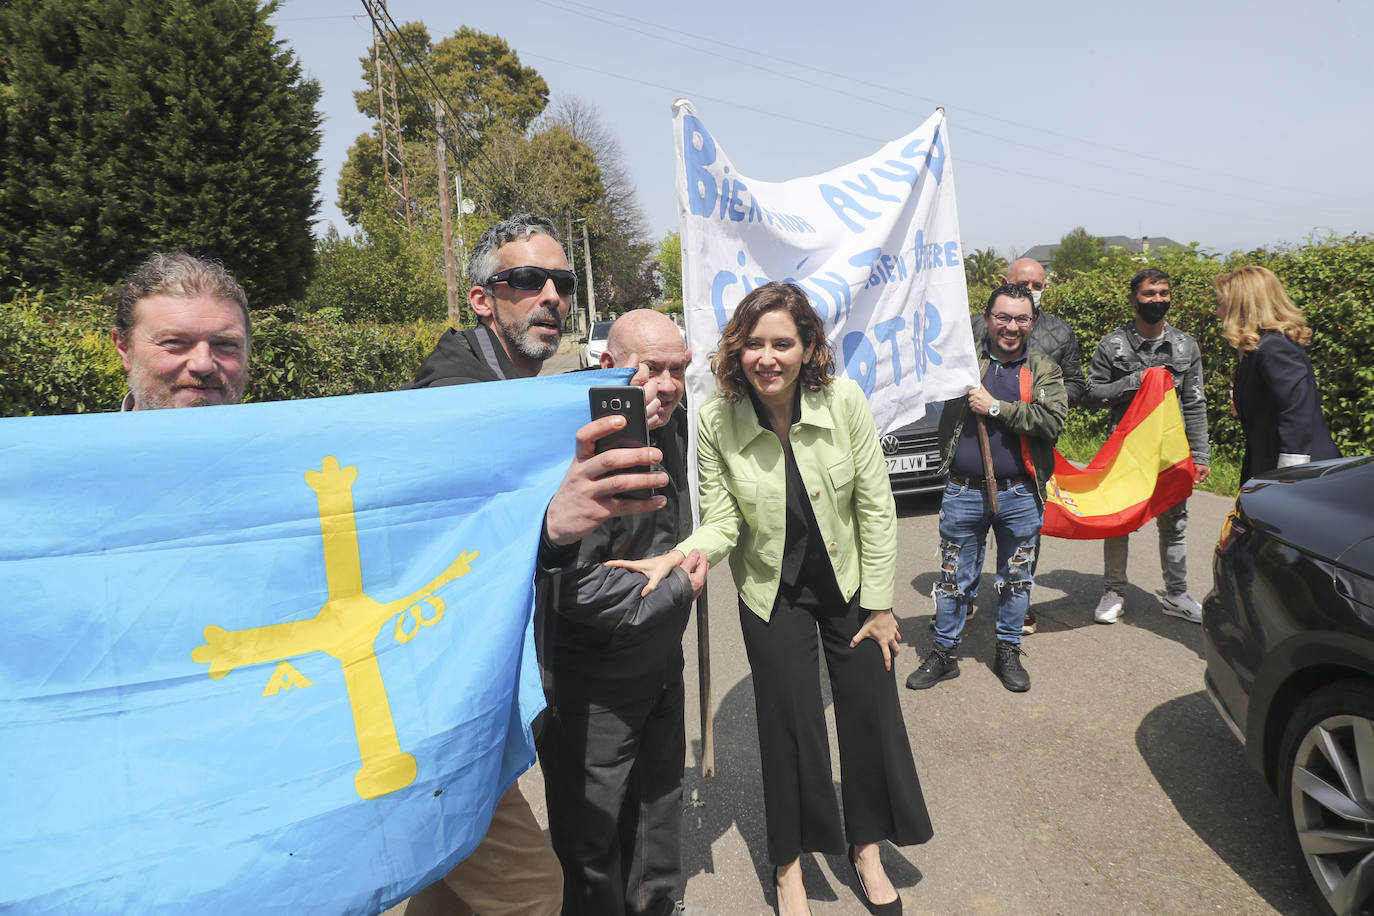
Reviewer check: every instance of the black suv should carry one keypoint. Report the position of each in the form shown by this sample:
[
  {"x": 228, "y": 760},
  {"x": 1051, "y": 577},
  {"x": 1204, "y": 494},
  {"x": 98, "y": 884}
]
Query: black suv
[{"x": 1289, "y": 631}]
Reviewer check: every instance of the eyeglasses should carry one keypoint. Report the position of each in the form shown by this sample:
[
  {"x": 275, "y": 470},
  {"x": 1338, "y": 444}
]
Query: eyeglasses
[
  {"x": 1021, "y": 321},
  {"x": 531, "y": 278}
]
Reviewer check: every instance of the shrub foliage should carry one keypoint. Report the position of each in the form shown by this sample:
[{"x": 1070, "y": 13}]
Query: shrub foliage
[
  {"x": 56, "y": 356},
  {"x": 1331, "y": 280}
]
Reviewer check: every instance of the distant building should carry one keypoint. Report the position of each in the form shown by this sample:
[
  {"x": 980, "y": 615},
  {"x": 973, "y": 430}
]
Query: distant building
[{"x": 1135, "y": 245}]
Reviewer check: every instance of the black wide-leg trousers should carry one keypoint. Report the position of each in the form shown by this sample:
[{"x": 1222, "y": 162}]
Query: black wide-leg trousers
[{"x": 881, "y": 792}]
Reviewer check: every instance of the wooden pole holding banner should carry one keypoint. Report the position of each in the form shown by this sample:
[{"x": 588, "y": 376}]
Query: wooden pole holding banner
[
  {"x": 989, "y": 480},
  {"x": 708, "y": 738}
]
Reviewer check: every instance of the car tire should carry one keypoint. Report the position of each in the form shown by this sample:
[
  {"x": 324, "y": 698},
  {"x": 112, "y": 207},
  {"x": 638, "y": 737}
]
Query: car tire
[{"x": 1327, "y": 792}]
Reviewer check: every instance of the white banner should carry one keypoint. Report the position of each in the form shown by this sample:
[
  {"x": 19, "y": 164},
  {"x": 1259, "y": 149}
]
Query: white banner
[{"x": 875, "y": 244}]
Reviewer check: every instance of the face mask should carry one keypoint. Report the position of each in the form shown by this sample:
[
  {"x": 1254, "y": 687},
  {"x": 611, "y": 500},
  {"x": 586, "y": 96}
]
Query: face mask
[
  {"x": 1035, "y": 297},
  {"x": 1152, "y": 312}
]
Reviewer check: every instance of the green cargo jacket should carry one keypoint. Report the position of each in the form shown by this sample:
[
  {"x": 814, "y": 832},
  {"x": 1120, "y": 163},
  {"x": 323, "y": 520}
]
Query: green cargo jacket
[{"x": 1038, "y": 420}]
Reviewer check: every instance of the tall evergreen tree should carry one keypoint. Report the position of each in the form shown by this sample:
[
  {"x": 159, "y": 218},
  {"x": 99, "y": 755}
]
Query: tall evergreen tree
[{"x": 135, "y": 125}]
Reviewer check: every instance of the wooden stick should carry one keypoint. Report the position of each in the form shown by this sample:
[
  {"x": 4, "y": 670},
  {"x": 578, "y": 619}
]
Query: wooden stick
[
  {"x": 708, "y": 739},
  {"x": 989, "y": 480}
]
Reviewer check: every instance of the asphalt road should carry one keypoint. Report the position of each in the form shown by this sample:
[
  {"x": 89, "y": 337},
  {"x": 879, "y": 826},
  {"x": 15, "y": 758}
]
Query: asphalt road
[{"x": 1111, "y": 787}]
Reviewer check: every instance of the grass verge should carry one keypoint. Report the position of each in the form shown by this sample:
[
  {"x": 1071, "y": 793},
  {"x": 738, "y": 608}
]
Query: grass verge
[{"x": 1083, "y": 436}]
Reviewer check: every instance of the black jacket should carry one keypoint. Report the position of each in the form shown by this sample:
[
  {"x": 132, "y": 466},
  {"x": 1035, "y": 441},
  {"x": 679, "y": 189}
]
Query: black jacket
[
  {"x": 1053, "y": 337},
  {"x": 463, "y": 357},
  {"x": 609, "y": 643},
  {"x": 1276, "y": 400},
  {"x": 596, "y": 636}
]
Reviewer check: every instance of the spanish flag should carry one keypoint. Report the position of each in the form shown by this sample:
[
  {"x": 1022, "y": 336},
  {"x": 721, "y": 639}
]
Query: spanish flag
[{"x": 1144, "y": 468}]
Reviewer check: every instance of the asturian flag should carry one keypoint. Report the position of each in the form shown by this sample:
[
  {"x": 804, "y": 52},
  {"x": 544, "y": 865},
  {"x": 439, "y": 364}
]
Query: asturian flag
[
  {"x": 1144, "y": 468},
  {"x": 269, "y": 658},
  {"x": 875, "y": 245}
]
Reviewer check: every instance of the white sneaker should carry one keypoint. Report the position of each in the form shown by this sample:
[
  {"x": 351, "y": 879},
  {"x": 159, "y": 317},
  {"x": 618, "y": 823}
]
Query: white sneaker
[
  {"x": 1110, "y": 608},
  {"x": 1184, "y": 605}
]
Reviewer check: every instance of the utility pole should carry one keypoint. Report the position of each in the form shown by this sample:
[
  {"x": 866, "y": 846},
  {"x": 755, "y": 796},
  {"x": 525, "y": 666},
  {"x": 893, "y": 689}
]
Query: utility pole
[
  {"x": 591, "y": 290},
  {"x": 450, "y": 271},
  {"x": 389, "y": 116},
  {"x": 572, "y": 262}
]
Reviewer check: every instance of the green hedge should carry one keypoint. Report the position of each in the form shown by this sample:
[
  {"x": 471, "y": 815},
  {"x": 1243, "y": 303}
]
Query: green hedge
[{"x": 57, "y": 357}]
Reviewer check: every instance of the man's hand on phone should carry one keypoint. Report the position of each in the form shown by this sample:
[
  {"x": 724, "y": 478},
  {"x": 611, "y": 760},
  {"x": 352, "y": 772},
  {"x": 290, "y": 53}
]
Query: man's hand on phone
[
  {"x": 590, "y": 491},
  {"x": 651, "y": 403}
]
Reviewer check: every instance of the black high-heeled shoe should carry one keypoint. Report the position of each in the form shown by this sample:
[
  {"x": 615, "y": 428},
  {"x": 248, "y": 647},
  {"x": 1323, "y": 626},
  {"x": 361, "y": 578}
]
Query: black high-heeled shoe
[{"x": 892, "y": 908}]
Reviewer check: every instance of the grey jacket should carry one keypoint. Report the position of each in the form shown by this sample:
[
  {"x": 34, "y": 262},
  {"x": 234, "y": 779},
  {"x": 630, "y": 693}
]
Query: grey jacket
[{"x": 1121, "y": 357}]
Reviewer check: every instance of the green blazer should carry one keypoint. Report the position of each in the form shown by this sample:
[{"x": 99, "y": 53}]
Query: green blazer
[{"x": 743, "y": 481}]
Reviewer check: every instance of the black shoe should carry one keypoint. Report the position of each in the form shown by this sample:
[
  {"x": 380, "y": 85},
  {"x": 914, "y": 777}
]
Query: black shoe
[
  {"x": 1008, "y": 667},
  {"x": 939, "y": 665},
  {"x": 1029, "y": 624},
  {"x": 892, "y": 908}
]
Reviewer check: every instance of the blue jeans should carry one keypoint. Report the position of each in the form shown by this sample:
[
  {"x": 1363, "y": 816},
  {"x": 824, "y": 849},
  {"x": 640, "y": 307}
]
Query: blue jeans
[
  {"x": 965, "y": 518},
  {"x": 1173, "y": 553}
]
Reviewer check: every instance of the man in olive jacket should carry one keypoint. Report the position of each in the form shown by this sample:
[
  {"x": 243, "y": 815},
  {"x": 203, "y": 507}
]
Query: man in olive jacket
[{"x": 1022, "y": 403}]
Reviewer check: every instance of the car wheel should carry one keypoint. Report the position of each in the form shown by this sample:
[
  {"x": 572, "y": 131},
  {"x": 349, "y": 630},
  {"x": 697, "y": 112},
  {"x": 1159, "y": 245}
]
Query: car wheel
[{"x": 1328, "y": 775}]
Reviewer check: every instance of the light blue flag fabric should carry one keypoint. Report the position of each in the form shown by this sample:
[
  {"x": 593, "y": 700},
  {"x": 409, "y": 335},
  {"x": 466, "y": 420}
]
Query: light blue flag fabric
[{"x": 269, "y": 658}]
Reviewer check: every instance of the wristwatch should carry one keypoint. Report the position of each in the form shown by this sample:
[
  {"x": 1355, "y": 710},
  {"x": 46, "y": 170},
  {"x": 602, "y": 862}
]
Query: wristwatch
[{"x": 995, "y": 409}]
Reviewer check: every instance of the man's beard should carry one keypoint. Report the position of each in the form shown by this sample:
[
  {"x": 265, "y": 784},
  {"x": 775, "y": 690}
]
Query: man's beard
[
  {"x": 152, "y": 394},
  {"x": 517, "y": 334}
]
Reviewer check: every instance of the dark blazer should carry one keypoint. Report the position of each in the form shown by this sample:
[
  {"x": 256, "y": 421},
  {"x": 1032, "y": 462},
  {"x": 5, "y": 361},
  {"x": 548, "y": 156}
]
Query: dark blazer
[{"x": 1276, "y": 400}]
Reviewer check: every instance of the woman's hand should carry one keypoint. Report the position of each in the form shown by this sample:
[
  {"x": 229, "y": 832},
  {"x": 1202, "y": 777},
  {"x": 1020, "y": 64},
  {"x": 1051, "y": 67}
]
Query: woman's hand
[
  {"x": 881, "y": 627},
  {"x": 655, "y": 568}
]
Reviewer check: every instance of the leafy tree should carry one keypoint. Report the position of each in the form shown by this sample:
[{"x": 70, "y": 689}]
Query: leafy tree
[
  {"x": 134, "y": 125},
  {"x": 984, "y": 267},
  {"x": 549, "y": 173},
  {"x": 492, "y": 96},
  {"x": 622, "y": 254},
  {"x": 513, "y": 154},
  {"x": 382, "y": 273},
  {"x": 1076, "y": 252},
  {"x": 669, "y": 261}
]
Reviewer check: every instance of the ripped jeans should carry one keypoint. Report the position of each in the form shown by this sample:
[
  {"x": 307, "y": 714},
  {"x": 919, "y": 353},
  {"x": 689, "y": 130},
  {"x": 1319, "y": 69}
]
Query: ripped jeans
[{"x": 964, "y": 521}]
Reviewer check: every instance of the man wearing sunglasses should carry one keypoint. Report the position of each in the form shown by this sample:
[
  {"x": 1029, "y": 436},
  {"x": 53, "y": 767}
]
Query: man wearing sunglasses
[{"x": 520, "y": 293}]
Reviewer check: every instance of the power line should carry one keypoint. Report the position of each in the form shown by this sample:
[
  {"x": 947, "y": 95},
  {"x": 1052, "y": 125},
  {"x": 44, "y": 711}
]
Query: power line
[
  {"x": 488, "y": 181},
  {"x": 583, "y": 9},
  {"x": 962, "y": 160}
]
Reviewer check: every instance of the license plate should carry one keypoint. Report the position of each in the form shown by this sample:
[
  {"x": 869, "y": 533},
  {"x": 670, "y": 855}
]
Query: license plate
[{"x": 904, "y": 464}]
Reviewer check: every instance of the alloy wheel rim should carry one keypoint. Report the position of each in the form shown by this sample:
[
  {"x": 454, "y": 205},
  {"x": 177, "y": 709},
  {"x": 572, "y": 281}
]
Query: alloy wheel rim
[{"x": 1332, "y": 794}]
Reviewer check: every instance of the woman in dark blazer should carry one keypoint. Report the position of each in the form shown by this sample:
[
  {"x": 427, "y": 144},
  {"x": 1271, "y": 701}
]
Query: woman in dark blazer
[{"x": 1275, "y": 391}]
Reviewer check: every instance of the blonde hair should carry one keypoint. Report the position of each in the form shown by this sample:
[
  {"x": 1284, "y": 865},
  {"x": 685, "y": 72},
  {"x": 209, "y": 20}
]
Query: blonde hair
[{"x": 1254, "y": 302}]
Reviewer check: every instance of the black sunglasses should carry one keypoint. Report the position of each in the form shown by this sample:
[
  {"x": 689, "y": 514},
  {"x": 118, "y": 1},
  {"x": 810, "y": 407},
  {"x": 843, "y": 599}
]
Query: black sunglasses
[{"x": 533, "y": 278}]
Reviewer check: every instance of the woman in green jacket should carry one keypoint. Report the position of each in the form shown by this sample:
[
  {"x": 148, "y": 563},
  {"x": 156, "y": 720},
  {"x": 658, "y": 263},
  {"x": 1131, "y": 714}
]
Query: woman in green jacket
[{"x": 794, "y": 488}]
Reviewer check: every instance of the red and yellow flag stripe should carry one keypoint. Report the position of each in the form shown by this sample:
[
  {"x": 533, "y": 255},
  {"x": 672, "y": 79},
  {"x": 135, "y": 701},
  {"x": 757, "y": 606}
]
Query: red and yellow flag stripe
[{"x": 1144, "y": 467}]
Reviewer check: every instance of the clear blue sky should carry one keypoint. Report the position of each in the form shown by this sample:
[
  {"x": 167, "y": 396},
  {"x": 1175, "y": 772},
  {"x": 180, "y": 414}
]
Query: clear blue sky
[{"x": 1232, "y": 124}]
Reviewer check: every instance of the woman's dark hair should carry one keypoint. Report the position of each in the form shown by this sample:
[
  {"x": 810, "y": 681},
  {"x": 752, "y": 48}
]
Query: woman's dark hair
[{"x": 816, "y": 372}]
